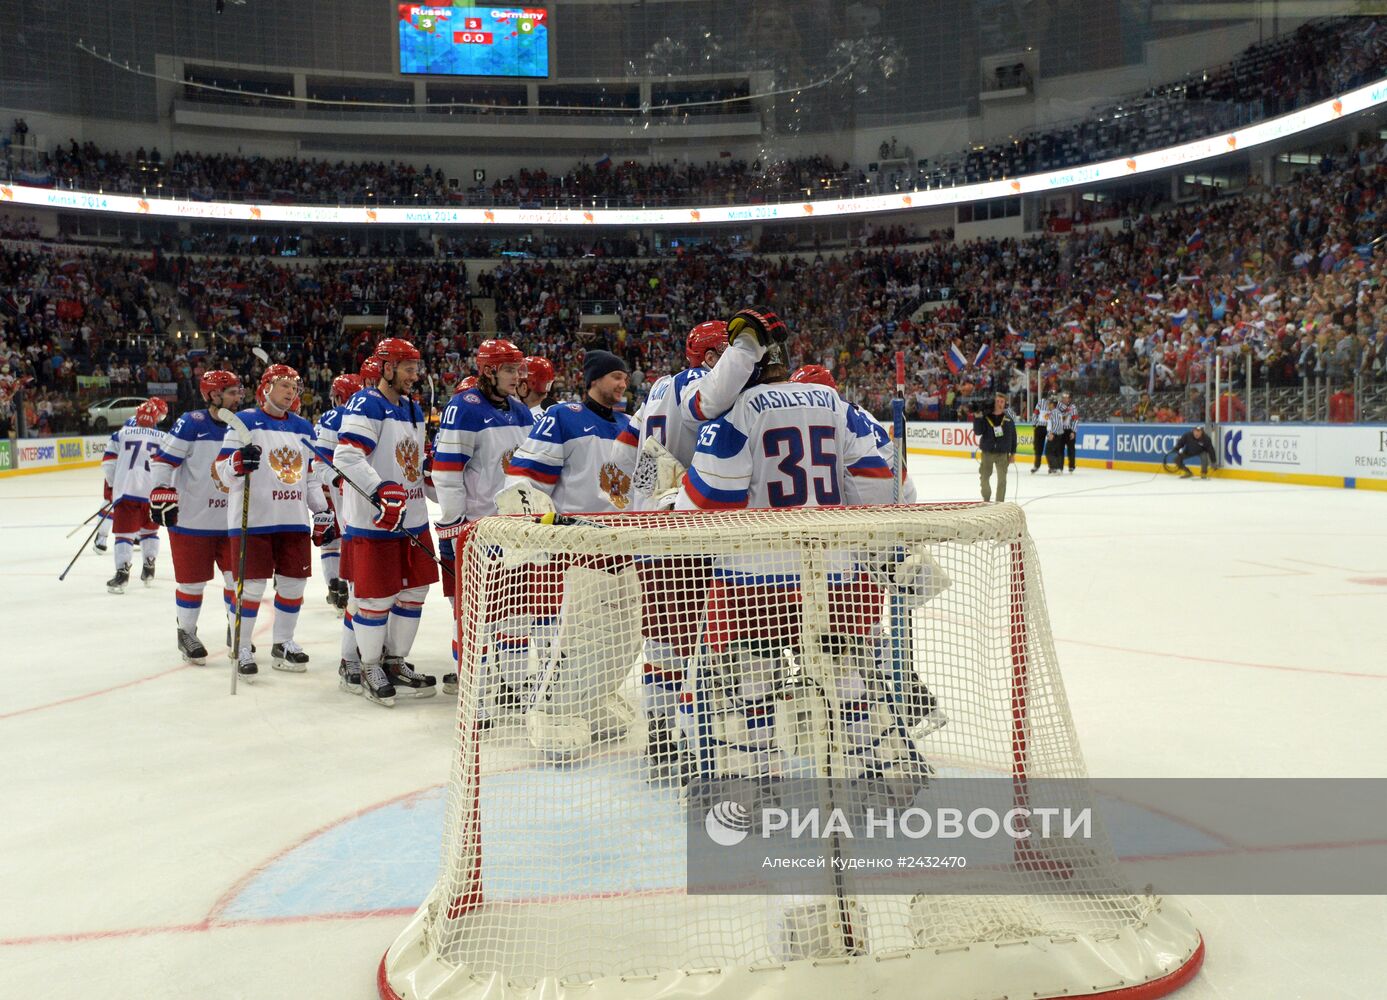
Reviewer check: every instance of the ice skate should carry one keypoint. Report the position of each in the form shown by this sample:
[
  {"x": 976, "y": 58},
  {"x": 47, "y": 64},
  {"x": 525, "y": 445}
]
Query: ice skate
[
  {"x": 99, "y": 544},
  {"x": 116, "y": 584},
  {"x": 147, "y": 572},
  {"x": 1186, "y": 474},
  {"x": 289, "y": 657},
  {"x": 450, "y": 683},
  {"x": 246, "y": 668},
  {"x": 663, "y": 756},
  {"x": 407, "y": 680},
  {"x": 192, "y": 648},
  {"x": 337, "y": 594},
  {"x": 376, "y": 686},
  {"x": 349, "y": 677}
]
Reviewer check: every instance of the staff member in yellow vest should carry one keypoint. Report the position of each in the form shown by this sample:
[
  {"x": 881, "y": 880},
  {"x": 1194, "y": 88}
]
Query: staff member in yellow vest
[{"x": 996, "y": 433}]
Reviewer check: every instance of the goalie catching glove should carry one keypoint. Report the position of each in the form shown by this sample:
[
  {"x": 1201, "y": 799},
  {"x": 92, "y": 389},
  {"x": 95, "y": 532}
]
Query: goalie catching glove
[
  {"x": 391, "y": 499},
  {"x": 657, "y": 475},
  {"x": 163, "y": 506},
  {"x": 760, "y": 324}
]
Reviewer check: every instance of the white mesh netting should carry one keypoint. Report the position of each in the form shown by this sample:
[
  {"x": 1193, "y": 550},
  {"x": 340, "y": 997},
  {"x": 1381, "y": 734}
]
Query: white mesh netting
[{"x": 606, "y": 665}]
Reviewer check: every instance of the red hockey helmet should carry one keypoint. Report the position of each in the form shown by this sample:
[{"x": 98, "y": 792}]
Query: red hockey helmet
[
  {"x": 276, "y": 372},
  {"x": 159, "y": 405},
  {"x": 705, "y": 337},
  {"x": 147, "y": 414},
  {"x": 217, "y": 381},
  {"x": 492, "y": 354},
  {"x": 370, "y": 371},
  {"x": 817, "y": 374},
  {"x": 539, "y": 374},
  {"x": 393, "y": 350},
  {"x": 470, "y": 382},
  {"x": 344, "y": 387}
]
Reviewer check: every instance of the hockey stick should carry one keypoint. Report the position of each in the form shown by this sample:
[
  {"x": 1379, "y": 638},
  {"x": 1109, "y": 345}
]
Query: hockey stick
[
  {"x": 902, "y": 630},
  {"x": 413, "y": 539},
  {"x": 87, "y": 541},
  {"x": 242, "y": 435},
  {"x": 104, "y": 508}
]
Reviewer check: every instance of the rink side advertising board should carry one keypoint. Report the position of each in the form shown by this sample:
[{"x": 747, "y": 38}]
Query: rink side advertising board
[
  {"x": 1350, "y": 457},
  {"x": 47, "y": 454}
]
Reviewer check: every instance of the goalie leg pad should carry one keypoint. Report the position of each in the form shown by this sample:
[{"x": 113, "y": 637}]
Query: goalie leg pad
[{"x": 597, "y": 644}]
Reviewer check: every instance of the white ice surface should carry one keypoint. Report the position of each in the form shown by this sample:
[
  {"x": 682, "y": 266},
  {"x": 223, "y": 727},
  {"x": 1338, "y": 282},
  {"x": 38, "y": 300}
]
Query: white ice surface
[{"x": 1204, "y": 629}]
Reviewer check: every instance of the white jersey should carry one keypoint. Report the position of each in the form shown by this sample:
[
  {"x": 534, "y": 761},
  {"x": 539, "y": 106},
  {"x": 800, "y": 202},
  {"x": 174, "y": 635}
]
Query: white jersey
[
  {"x": 712, "y": 396},
  {"x": 662, "y": 418},
  {"x": 475, "y": 442},
  {"x": 884, "y": 447},
  {"x": 380, "y": 441},
  {"x": 187, "y": 462},
  {"x": 572, "y": 454},
  {"x": 324, "y": 446},
  {"x": 282, "y": 495},
  {"x": 786, "y": 445},
  {"x": 126, "y": 461},
  {"x": 537, "y": 411}
]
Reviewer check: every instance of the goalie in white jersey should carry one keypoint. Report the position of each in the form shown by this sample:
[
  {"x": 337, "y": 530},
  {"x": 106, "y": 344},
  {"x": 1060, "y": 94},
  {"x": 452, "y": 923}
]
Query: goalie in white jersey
[
  {"x": 381, "y": 449},
  {"x": 129, "y": 480},
  {"x": 284, "y": 496},
  {"x": 786, "y": 445},
  {"x": 189, "y": 499},
  {"x": 480, "y": 431}
]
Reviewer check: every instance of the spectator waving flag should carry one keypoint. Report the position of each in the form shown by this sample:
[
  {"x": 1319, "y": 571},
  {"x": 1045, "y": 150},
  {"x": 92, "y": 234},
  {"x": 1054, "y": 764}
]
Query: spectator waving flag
[
  {"x": 1178, "y": 318},
  {"x": 1195, "y": 240},
  {"x": 983, "y": 353},
  {"x": 954, "y": 358}
]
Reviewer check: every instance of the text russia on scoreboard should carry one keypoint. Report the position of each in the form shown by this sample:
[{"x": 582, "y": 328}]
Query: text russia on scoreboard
[{"x": 474, "y": 41}]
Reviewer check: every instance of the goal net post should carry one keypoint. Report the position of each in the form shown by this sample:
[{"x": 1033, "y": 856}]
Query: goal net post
[{"x": 613, "y": 670}]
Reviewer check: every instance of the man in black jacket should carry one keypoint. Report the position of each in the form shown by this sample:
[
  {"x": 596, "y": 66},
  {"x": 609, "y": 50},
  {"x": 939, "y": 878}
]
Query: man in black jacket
[
  {"x": 996, "y": 433},
  {"x": 1191, "y": 443}
]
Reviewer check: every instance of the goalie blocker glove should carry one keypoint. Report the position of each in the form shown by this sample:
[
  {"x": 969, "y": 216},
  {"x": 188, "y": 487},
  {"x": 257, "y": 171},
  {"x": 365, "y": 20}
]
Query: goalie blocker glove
[
  {"x": 163, "y": 506},
  {"x": 391, "y": 498},
  {"x": 245, "y": 460},
  {"x": 760, "y": 324}
]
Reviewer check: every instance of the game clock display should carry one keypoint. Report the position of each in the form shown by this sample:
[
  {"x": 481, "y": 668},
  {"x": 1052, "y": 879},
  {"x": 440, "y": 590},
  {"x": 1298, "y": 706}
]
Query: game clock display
[{"x": 474, "y": 41}]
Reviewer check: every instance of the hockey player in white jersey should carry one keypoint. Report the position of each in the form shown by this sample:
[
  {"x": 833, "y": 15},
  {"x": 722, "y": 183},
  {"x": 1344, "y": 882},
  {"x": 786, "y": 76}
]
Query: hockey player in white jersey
[
  {"x": 129, "y": 478},
  {"x": 189, "y": 500},
  {"x": 783, "y": 445},
  {"x": 571, "y": 462},
  {"x": 283, "y": 500},
  {"x": 819, "y": 375},
  {"x": 480, "y": 431},
  {"x": 381, "y": 449},
  {"x": 534, "y": 387}
]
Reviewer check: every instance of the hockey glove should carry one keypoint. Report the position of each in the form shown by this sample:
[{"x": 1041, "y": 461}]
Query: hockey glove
[
  {"x": 758, "y": 323},
  {"x": 428, "y": 462},
  {"x": 324, "y": 527},
  {"x": 391, "y": 499},
  {"x": 106, "y": 493},
  {"x": 163, "y": 506},
  {"x": 446, "y": 534},
  {"x": 246, "y": 460}
]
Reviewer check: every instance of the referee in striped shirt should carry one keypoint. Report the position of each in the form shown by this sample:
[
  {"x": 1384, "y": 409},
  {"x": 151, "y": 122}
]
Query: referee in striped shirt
[{"x": 1063, "y": 432}]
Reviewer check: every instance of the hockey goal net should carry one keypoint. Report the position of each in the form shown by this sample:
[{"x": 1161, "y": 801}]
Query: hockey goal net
[{"x": 609, "y": 668}]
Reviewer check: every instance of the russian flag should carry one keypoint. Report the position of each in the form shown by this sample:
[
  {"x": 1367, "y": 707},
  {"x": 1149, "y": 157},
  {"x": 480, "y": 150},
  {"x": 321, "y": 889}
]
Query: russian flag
[
  {"x": 1178, "y": 319},
  {"x": 604, "y": 162},
  {"x": 954, "y": 358},
  {"x": 1195, "y": 240},
  {"x": 983, "y": 352}
]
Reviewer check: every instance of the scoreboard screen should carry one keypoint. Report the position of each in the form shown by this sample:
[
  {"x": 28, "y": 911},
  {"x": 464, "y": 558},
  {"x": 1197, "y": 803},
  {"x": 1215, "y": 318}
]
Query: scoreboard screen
[{"x": 474, "y": 41}]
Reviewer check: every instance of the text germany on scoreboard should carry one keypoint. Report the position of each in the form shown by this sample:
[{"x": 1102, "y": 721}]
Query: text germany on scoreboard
[{"x": 474, "y": 41}]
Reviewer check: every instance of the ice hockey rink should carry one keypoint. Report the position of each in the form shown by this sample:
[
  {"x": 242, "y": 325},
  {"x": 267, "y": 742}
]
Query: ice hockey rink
[{"x": 161, "y": 838}]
